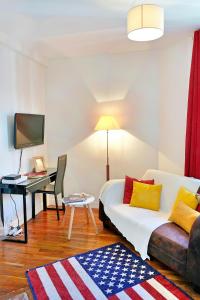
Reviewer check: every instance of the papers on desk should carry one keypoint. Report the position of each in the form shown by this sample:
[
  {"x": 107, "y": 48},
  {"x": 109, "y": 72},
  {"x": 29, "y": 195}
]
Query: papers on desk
[
  {"x": 16, "y": 181},
  {"x": 75, "y": 198}
]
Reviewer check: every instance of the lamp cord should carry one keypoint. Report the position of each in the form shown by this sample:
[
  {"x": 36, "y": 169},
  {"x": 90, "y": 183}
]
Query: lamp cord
[{"x": 15, "y": 209}]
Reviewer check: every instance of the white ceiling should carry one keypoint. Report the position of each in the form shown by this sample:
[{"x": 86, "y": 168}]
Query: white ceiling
[{"x": 84, "y": 27}]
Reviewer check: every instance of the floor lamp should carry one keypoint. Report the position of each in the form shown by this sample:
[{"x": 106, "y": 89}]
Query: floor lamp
[{"x": 107, "y": 123}]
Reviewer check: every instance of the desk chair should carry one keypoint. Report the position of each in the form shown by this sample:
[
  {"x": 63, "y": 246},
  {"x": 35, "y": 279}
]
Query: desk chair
[{"x": 55, "y": 189}]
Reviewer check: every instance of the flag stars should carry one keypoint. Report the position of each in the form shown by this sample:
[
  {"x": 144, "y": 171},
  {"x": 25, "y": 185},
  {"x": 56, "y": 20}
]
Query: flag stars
[
  {"x": 113, "y": 278},
  {"x": 150, "y": 273},
  {"x": 108, "y": 291},
  {"x": 130, "y": 281},
  {"x": 143, "y": 267},
  {"x": 114, "y": 268},
  {"x": 114, "y": 273},
  {"x": 125, "y": 269},
  {"x": 110, "y": 284},
  {"x": 126, "y": 264}
]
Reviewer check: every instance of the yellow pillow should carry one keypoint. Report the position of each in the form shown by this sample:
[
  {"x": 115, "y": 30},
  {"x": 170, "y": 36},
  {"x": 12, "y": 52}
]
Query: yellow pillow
[
  {"x": 146, "y": 195},
  {"x": 184, "y": 216},
  {"x": 187, "y": 197}
]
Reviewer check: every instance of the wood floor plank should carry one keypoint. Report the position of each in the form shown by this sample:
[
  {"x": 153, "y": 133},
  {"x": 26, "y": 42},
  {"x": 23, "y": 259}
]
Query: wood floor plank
[{"x": 48, "y": 242}]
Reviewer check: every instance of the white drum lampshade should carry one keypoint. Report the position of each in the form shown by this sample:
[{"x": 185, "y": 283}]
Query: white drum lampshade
[{"x": 145, "y": 22}]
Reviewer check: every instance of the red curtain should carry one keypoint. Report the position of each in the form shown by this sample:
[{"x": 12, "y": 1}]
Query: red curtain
[{"x": 192, "y": 148}]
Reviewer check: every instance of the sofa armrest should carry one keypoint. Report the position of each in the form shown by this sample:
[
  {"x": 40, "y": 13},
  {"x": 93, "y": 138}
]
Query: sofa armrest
[
  {"x": 193, "y": 257},
  {"x": 112, "y": 192}
]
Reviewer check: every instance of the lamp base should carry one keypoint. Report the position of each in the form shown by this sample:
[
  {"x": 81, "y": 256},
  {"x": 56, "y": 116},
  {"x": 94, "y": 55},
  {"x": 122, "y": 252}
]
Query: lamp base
[{"x": 107, "y": 172}]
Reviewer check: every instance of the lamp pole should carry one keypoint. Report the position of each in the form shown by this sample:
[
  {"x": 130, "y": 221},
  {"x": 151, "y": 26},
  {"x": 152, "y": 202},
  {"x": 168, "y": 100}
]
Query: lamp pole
[{"x": 107, "y": 165}]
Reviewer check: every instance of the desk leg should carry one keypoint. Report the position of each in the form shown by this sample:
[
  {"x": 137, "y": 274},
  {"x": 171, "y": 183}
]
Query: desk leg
[
  {"x": 44, "y": 201},
  {"x": 25, "y": 219},
  {"x": 1, "y": 207},
  {"x": 33, "y": 205}
]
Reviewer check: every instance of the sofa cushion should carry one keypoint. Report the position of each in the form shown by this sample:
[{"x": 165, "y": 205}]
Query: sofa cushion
[
  {"x": 128, "y": 187},
  {"x": 184, "y": 216},
  {"x": 187, "y": 197},
  {"x": 146, "y": 196},
  {"x": 169, "y": 243}
]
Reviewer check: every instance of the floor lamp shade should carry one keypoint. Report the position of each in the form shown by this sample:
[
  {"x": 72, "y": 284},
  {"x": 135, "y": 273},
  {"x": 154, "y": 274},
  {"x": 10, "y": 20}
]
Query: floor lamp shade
[
  {"x": 145, "y": 22},
  {"x": 107, "y": 123}
]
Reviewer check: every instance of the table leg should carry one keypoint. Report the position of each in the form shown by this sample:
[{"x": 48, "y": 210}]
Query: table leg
[
  {"x": 71, "y": 222},
  {"x": 92, "y": 217},
  {"x": 86, "y": 213},
  {"x": 65, "y": 217},
  {"x": 25, "y": 219}
]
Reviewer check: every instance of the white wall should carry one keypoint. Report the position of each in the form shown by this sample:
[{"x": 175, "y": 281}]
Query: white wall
[
  {"x": 175, "y": 64},
  {"x": 146, "y": 91},
  {"x": 79, "y": 90},
  {"x": 22, "y": 90}
]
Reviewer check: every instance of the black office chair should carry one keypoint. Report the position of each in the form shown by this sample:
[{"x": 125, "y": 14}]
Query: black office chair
[{"x": 55, "y": 189}]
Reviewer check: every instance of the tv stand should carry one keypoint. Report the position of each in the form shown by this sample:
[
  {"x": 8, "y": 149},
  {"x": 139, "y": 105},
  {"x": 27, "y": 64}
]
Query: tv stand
[{"x": 28, "y": 186}]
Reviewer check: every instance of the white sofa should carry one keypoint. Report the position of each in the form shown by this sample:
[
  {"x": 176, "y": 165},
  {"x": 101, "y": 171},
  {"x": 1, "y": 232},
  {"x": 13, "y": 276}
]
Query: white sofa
[{"x": 137, "y": 224}]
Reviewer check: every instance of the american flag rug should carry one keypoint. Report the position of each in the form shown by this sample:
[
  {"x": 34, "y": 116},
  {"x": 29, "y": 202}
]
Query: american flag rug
[{"x": 112, "y": 272}]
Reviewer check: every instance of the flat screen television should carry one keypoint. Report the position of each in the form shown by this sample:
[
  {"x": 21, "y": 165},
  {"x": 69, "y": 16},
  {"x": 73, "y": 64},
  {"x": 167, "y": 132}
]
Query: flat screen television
[{"x": 28, "y": 130}]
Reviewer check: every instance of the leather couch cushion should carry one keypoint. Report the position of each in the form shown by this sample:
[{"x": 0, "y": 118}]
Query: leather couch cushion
[{"x": 169, "y": 243}]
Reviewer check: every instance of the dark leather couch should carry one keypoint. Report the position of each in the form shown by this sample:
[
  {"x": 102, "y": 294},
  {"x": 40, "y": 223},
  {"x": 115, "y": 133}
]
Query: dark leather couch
[{"x": 172, "y": 246}]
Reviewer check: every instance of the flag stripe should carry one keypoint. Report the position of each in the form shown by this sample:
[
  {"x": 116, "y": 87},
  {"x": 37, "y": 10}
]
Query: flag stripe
[
  {"x": 69, "y": 284},
  {"x": 48, "y": 284},
  {"x": 87, "y": 279},
  {"x": 153, "y": 292},
  {"x": 37, "y": 285},
  {"x": 142, "y": 292},
  {"x": 132, "y": 294},
  {"x": 61, "y": 289},
  {"x": 161, "y": 289},
  {"x": 123, "y": 296},
  {"x": 172, "y": 288},
  {"x": 78, "y": 281}
]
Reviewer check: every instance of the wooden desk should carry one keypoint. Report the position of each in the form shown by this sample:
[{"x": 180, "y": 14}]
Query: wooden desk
[{"x": 28, "y": 186}]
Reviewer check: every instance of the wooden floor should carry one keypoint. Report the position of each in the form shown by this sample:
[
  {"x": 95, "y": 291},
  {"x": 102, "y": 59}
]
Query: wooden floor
[{"x": 48, "y": 242}]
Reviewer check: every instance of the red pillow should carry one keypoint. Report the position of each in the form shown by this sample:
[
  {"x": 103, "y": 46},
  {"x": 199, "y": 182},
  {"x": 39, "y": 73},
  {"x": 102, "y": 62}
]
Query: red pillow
[
  {"x": 128, "y": 187},
  {"x": 198, "y": 208}
]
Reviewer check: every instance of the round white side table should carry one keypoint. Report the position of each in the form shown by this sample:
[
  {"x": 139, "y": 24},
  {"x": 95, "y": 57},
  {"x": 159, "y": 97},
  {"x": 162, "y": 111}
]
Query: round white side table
[{"x": 88, "y": 211}]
